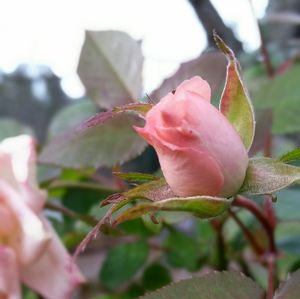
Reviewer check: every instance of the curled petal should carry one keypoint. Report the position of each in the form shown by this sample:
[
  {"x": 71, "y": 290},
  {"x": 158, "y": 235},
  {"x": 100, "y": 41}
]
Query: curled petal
[
  {"x": 9, "y": 274},
  {"x": 18, "y": 156},
  {"x": 196, "y": 86},
  {"x": 30, "y": 237},
  {"x": 53, "y": 275}
]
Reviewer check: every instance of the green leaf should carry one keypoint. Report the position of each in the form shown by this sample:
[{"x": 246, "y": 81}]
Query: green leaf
[
  {"x": 201, "y": 206},
  {"x": 71, "y": 116},
  {"x": 136, "y": 177},
  {"x": 266, "y": 176},
  {"x": 110, "y": 68},
  {"x": 183, "y": 251},
  {"x": 290, "y": 289},
  {"x": 103, "y": 140},
  {"x": 122, "y": 262},
  {"x": 235, "y": 103},
  {"x": 282, "y": 94},
  {"x": 291, "y": 156},
  {"x": 225, "y": 285},
  {"x": 155, "y": 190},
  {"x": 156, "y": 276},
  {"x": 9, "y": 127}
]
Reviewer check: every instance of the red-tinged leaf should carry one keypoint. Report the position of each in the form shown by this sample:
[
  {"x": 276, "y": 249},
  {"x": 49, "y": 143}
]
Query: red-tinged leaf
[
  {"x": 235, "y": 103},
  {"x": 103, "y": 140},
  {"x": 112, "y": 199},
  {"x": 201, "y": 206},
  {"x": 211, "y": 66},
  {"x": 110, "y": 68}
]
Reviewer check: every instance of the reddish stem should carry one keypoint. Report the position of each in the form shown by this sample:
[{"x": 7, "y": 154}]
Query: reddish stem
[
  {"x": 263, "y": 47},
  {"x": 255, "y": 209},
  {"x": 271, "y": 260},
  {"x": 249, "y": 236}
]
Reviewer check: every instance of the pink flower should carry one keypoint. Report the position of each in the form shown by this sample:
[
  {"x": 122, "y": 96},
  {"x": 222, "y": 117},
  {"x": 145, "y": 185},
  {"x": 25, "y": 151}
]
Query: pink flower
[
  {"x": 30, "y": 250},
  {"x": 200, "y": 152}
]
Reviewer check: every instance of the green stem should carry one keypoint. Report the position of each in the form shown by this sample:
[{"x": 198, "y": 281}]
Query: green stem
[{"x": 222, "y": 262}]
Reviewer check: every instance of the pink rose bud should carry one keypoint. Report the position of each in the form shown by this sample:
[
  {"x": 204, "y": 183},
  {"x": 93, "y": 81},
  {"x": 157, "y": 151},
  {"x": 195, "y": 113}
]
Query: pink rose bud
[{"x": 200, "y": 152}]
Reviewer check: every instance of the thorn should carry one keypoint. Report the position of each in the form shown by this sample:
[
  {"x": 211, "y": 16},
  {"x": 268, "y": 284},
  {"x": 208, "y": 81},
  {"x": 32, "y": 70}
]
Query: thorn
[{"x": 154, "y": 219}]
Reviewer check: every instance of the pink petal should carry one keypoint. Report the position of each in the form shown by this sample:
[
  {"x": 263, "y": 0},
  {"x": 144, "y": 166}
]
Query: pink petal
[
  {"x": 7, "y": 221},
  {"x": 18, "y": 154},
  {"x": 30, "y": 237},
  {"x": 9, "y": 275},
  {"x": 195, "y": 85},
  {"x": 190, "y": 172},
  {"x": 54, "y": 275}
]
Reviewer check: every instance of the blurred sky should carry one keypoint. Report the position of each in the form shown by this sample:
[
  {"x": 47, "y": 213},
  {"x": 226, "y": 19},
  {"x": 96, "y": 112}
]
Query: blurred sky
[{"x": 51, "y": 32}]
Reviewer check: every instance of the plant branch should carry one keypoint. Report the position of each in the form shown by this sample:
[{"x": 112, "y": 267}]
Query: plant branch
[
  {"x": 263, "y": 46},
  {"x": 249, "y": 236},
  {"x": 268, "y": 221},
  {"x": 271, "y": 262},
  {"x": 218, "y": 225},
  {"x": 254, "y": 208}
]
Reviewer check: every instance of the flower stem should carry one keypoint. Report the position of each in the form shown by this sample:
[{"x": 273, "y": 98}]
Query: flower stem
[
  {"x": 268, "y": 221},
  {"x": 271, "y": 262},
  {"x": 255, "y": 209},
  {"x": 249, "y": 236},
  {"x": 222, "y": 262},
  {"x": 263, "y": 47}
]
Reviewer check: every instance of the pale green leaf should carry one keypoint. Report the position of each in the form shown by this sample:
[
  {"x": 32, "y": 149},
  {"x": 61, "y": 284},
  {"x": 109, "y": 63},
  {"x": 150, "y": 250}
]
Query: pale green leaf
[
  {"x": 140, "y": 108},
  {"x": 110, "y": 68},
  {"x": 201, "y": 206},
  {"x": 225, "y": 285},
  {"x": 235, "y": 103},
  {"x": 266, "y": 176}
]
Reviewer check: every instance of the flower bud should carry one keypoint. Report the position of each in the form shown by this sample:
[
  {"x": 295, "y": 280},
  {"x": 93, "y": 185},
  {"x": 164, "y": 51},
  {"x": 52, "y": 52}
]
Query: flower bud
[{"x": 200, "y": 152}]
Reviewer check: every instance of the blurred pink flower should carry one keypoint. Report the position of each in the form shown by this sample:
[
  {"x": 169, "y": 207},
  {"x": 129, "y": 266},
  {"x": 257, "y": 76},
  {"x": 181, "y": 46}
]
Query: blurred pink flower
[
  {"x": 200, "y": 152},
  {"x": 30, "y": 250}
]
